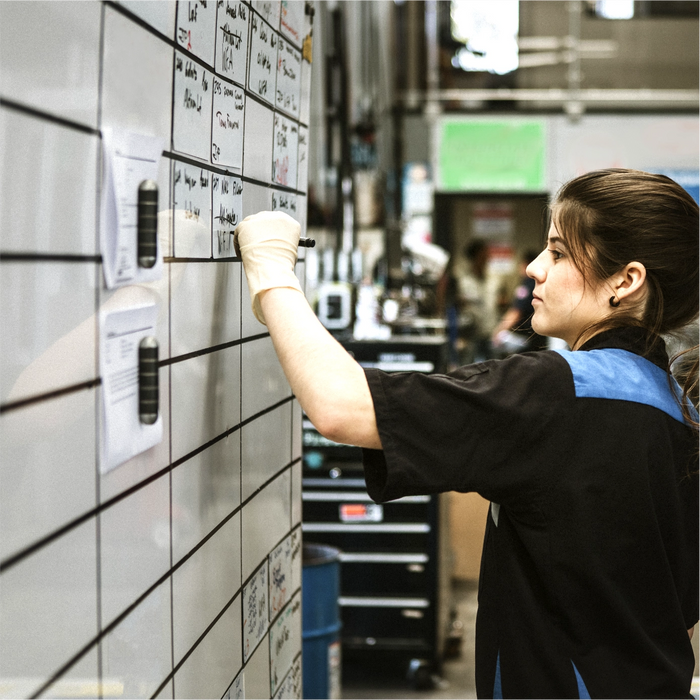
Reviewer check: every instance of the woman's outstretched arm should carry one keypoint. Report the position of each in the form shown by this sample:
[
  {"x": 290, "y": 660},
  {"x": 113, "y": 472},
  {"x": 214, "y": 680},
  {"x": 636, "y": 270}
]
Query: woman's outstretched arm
[{"x": 330, "y": 386}]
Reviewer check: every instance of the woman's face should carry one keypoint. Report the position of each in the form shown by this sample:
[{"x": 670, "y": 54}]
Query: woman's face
[{"x": 563, "y": 304}]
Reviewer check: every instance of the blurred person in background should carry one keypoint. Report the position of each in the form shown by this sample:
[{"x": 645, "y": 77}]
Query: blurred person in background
[
  {"x": 463, "y": 295},
  {"x": 514, "y": 331}
]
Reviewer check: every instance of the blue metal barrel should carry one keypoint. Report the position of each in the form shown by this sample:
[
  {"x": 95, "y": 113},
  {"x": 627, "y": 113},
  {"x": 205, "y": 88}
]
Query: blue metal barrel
[{"x": 320, "y": 588}]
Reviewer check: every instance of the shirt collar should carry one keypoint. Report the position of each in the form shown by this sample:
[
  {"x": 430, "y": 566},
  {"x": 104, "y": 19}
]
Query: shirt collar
[{"x": 636, "y": 340}]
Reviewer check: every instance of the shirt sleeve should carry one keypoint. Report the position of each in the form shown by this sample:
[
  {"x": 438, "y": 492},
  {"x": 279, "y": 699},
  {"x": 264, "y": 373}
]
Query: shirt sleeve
[{"x": 480, "y": 428}]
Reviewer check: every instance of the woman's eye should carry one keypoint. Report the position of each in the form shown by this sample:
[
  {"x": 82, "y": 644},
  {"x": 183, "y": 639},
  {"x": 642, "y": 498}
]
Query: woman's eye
[{"x": 556, "y": 254}]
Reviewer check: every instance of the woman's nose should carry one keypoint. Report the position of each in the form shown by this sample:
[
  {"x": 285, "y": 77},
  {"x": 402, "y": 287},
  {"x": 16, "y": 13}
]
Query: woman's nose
[{"x": 535, "y": 270}]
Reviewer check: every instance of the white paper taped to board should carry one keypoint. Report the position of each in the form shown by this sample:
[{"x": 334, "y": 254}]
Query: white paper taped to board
[
  {"x": 292, "y": 20},
  {"x": 285, "y": 638},
  {"x": 307, "y": 58},
  {"x": 284, "y": 152},
  {"x": 192, "y": 107},
  {"x": 303, "y": 159},
  {"x": 288, "y": 94},
  {"x": 262, "y": 73},
  {"x": 286, "y": 202},
  {"x": 269, "y": 10},
  {"x": 232, "y": 39},
  {"x": 280, "y": 577},
  {"x": 236, "y": 690},
  {"x": 129, "y": 159},
  {"x": 192, "y": 211},
  {"x": 227, "y": 125},
  {"x": 227, "y": 197},
  {"x": 123, "y": 434},
  {"x": 195, "y": 28},
  {"x": 255, "y": 613},
  {"x": 296, "y": 559},
  {"x": 292, "y": 684}
]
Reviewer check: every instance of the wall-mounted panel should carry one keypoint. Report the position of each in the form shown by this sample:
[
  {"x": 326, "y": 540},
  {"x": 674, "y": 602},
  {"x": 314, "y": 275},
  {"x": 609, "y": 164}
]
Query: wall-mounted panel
[
  {"x": 134, "y": 546},
  {"x": 157, "y": 14},
  {"x": 196, "y": 25},
  {"x": 50, "y": 55},
  {"x": 57, "y": 348},
  {"x": 257, "y": 143},
  {"x": 257, "y": 395},
  {"x": 133, "y": 98},
  {"x": 265, "y": 520},
  {"x": 204, "y": 585},
  {"x": 130, "y": 581},
  {"x": 49, "y": 445},
  {"x": 59, "y": 166},
  {"x": 228, "y": 118},
  {"x": 191, "y": 214},
  {"x": 232, "y": 23},
  {"x": 136, "y": 653},
  {"x": 474, "y": 154},
  {"x": 205, "y": 399},
  {"x": 207, "y": 671},
  {"x": 264, "y": 458},
  {"x": 285, "y": 636},
  {"x": 205, "y": 491},
  {"x": 257, "y": 673},
  {"x": 48, "y": 609},
  {"x": 653, "y": 143},
  {"x": 205, "y": 306}
]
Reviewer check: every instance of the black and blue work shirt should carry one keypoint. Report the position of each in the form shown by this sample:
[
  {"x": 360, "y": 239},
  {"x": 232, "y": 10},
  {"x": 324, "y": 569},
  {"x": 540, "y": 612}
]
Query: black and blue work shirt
[{"x": 589, "y": 573}]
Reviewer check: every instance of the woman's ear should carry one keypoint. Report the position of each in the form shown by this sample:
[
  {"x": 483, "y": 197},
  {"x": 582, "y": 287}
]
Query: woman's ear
[{"x": 630, "y": 283}]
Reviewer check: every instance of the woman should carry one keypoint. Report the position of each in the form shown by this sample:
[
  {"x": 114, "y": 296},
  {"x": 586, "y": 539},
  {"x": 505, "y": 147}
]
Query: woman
[{"x": 589, "y": 576}]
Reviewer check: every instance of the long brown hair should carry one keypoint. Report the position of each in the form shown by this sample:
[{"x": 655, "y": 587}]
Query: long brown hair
[{"x": 609, "y": 218}]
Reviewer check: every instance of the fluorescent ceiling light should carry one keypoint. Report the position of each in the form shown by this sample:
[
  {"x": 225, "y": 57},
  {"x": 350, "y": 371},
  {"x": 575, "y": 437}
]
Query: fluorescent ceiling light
[
  {"x": 615, "y": 9},
  {"x": 490, "y": 31}
]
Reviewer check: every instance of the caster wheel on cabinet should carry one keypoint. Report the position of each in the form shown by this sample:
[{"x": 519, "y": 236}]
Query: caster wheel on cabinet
[{"x": 419, "y": 674}]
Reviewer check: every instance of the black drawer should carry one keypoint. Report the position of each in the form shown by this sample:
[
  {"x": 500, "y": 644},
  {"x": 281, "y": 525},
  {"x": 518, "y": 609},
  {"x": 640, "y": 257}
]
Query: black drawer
[
  {"x": 376, "y": 537},
  {"x": 354, "y": 508},
  {"x": 361, "y": 574},
  {"x": 384, "y": 626}
]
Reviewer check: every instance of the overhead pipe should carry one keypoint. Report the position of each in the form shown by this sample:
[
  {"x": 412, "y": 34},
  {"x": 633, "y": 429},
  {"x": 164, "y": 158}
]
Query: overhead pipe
[{"x": 681, "y": 98}]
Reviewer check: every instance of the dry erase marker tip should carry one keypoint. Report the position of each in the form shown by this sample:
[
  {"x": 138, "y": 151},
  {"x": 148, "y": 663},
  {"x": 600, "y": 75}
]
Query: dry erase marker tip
[{"x": 307, "y": 242}]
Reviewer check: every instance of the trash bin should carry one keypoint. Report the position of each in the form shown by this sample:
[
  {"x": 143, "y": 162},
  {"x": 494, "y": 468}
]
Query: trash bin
[{"x": 320, "y": 621}]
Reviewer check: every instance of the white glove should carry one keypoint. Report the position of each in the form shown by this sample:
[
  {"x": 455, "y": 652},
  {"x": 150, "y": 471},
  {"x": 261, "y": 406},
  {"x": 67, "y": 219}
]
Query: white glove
[{"x": 267, "y": 242}]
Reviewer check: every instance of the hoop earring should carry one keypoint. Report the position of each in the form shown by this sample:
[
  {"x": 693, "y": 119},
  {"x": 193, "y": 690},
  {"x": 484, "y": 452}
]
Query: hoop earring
[{"x": 614, "y": 302}]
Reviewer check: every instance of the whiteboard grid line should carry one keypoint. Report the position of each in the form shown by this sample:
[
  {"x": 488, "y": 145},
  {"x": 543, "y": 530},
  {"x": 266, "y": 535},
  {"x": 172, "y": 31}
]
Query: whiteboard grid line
[{"x": 48, "y": 116}]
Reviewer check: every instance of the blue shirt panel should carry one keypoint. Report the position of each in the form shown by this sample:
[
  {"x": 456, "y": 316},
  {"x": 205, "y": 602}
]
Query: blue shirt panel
[{"x": 612, "y": 373}]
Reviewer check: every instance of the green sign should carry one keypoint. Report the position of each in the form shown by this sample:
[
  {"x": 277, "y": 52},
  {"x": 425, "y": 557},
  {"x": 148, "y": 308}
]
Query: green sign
[{"x": 492, "y": 156}]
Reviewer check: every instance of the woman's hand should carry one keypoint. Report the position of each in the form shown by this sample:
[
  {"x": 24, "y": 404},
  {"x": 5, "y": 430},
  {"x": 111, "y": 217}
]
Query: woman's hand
[{"x": 267, "y": 243}]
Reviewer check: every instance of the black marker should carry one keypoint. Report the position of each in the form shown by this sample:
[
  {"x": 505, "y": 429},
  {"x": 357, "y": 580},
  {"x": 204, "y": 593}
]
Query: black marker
[{"x": 303, "y": 243}]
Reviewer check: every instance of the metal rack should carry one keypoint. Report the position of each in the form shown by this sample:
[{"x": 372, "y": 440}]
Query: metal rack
[{"x": 394, "y": 591}]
